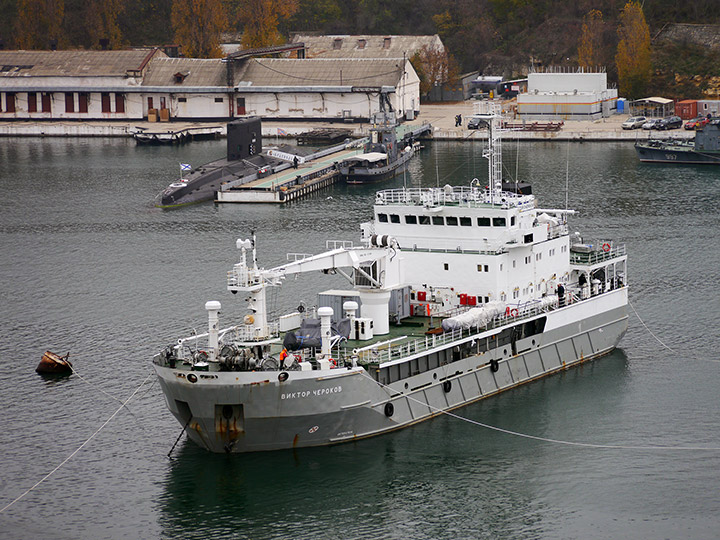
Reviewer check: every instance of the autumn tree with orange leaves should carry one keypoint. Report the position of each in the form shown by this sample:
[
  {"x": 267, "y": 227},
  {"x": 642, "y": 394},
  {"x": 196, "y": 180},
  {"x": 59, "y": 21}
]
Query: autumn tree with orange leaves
[
  {"x": 633, "y": 52},
  {"x": 590, "y": 44},
  {"x": 435, "y": 67},
  {"x": 198, "y": 25},
  {"x": 260, "y": 19},
  {"x": 38, "y": 23}
]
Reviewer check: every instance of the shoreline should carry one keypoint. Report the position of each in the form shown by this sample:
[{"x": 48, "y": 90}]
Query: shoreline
[{"x": 440, "y": 116}]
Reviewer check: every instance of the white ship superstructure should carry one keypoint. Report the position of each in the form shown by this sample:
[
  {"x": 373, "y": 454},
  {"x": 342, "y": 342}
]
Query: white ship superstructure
[{"x": 456, "y": 293}]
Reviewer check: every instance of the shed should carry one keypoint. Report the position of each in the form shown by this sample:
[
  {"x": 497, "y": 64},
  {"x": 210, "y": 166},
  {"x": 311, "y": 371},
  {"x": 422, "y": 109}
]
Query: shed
[
  {"x": 686, "y": 109},
  {"x": 652, "y": 107}
]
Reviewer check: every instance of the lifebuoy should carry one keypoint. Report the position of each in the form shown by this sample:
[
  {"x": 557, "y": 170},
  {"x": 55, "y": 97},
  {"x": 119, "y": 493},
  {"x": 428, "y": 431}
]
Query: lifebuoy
[
  {"x": 283, "y": 376},
  {"x": 493, "y": 365},
  {"x": 192, "y": 378},
  {"x": 389, "y": 409},
  {"x": 606, "y": 247},
  {"x": 513, "y": 312},
  {"x": 447, "y": 386}
]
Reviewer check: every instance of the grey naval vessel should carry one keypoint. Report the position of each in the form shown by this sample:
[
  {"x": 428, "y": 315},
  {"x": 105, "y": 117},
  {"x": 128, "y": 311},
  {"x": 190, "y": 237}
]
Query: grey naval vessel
[
  {"x": 457, "y": 293},
  {"x": 704, "y": 150}
]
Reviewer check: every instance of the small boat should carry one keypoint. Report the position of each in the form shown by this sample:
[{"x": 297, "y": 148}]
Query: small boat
[
  {"x": 53, "y": 363},
  {"x": 385, "y": 156}
]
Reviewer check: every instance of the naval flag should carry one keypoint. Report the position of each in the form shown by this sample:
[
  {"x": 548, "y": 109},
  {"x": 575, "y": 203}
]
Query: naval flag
[{"x": 185, "y": 167}]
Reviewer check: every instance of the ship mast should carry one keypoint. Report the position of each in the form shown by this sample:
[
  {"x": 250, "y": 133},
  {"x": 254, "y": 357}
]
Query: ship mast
[{"x": 491, "y": 112}]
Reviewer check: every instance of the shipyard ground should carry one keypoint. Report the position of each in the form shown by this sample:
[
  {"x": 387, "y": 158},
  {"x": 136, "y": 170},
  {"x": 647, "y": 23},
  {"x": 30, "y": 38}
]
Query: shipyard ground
[{"x": 440, "y": 116}]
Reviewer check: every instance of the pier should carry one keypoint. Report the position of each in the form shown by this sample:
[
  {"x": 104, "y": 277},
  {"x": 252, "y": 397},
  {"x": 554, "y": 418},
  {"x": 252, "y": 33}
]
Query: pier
[{"x": 313, "y": 173}]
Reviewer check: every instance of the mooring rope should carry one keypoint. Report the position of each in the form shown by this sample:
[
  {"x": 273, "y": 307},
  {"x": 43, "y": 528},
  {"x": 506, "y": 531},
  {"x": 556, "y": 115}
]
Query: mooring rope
[
  {"x": 558, "y": 441},
  {"x": 63, "y": 462}
]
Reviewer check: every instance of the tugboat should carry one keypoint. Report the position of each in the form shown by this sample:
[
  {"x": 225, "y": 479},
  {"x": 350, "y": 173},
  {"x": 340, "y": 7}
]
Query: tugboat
[
  {"x": 703, "y": 151},
  {"x": 457, "y": 293},
  {"x": 384, "y": 156}
]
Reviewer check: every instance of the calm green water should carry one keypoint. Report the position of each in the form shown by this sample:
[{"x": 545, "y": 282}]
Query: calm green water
[{"x": 88, "y": 265}]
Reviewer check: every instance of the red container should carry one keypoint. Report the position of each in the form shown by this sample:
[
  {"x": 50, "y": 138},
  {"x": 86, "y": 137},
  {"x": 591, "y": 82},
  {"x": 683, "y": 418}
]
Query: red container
[
  {"x": 421, "y": 296},
  {"x": 686, "y": 109},
  {"x": 463, "y": 299},
  {"x": 472, "y": 300}
]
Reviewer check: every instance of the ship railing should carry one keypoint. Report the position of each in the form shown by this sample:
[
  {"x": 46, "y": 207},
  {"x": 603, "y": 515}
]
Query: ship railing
[
  {"x": 294, "y": 257},
  {"x": 392, "y": 350},
  {"x": 241, "y": 276},
  {"x": 338, "y": 244},
  {"x": 606, "y": 252},
  {"x": 450, "y": 195},
  {"x": 555, "y": 231}
]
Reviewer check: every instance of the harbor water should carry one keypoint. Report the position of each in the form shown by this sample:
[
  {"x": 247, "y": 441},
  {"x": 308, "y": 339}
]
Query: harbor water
[{"x": 626, "y": 446}]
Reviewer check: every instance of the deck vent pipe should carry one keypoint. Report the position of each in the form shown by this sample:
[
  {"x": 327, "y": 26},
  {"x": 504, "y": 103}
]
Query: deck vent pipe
[
  {"x": 325, "y": 314},
  {"x": 213, "y": 308}
]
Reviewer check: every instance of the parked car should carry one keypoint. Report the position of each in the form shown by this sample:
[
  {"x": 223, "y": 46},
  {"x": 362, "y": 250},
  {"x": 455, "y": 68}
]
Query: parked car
[
  {"x": 652, "y": 123},
  {"x": 697, "y": 123},
  {"x": 477, "y": 123},
  {"x": 634, "y": 122},
  {"x": 671, "y": 122}
]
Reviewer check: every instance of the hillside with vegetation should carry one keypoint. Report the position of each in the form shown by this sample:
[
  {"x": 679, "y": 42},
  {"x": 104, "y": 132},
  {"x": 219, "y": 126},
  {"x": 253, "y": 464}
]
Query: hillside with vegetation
[{"x": 493, "y": 36}]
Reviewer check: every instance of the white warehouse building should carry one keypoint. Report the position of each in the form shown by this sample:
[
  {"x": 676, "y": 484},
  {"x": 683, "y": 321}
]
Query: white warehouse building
[
  {"x": 567, "y": 96},
  {"x": 134, "y": 85}
]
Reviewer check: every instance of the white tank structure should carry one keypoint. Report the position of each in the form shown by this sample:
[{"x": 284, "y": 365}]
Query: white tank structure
[{"x": 465, "y": 291}]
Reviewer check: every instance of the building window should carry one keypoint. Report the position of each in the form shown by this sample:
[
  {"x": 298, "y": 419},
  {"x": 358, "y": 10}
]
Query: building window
[
  {"x": 10, "y": 102},
  {"x": 411, "y": 220},
  {"x": 46, "y": 103},
  {"x": 218, "y": 100},
  {"x": 337, "y": 43},
  {"x": 483, "y": 221},
  {"x": 361, "y": 43},
  {"x": 465, "y": 222},
  {"x": 182, "y": 100},
  {"x": 150, "y": 103},
  {"x": 451, "y": 220},
  {"x": 83, "y": 102},
  {"x": 119, "y": 103},
  {"x": 69, "y": 102},
  {"x": 241, "y": 105},
  {"x": 438, "y": 220},
  {"x": 386, "y": 43},
  {"x": 32, "y": 102},
  {"x": 105, "y": 102}
]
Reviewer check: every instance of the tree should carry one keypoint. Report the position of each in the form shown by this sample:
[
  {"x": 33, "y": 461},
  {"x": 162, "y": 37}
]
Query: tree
[
  {"x": 589, "y": 48},
  {"x": 198, "y": 25},
  {"x": 435, "y": 67},
  {"x": 260, "y": 19},
  {"x": 633, "y": 52},
  {"x": 39, "y": 23},
  {"x": 102, "y": 22}
]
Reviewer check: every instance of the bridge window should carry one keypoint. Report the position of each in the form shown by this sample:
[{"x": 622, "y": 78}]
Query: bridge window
[
  {"x": 438, "y": 220},
  {"x": 382, "y": 218},
  {"x": 483, "y": 221},
  {"x": 498, "y": 222},
  {"x": 465, "y": 222},
  {"x": 451, "y": 220},
  {"x": 394, "y": 218},
  {"x": 528, "y": 238},
  {"x": 424, "y": 220},
  {"x": 411, "y": 220}
]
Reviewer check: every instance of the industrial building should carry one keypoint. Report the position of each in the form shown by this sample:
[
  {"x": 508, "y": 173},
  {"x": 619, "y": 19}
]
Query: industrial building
[
  {"x": 576, "y": 95},
  {"x": 146, "y": 84}
]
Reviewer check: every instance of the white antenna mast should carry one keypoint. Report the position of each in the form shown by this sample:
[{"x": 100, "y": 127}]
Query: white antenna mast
[{"x": 490, "y": 111}]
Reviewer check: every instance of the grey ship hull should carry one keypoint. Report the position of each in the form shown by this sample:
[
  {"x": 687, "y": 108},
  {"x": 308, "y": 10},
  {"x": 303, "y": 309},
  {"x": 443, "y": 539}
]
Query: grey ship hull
[
  {"x": 245, "y": 412},
  {"x": 672, "y": 153},
  {"x": 367, "y": 175}
]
